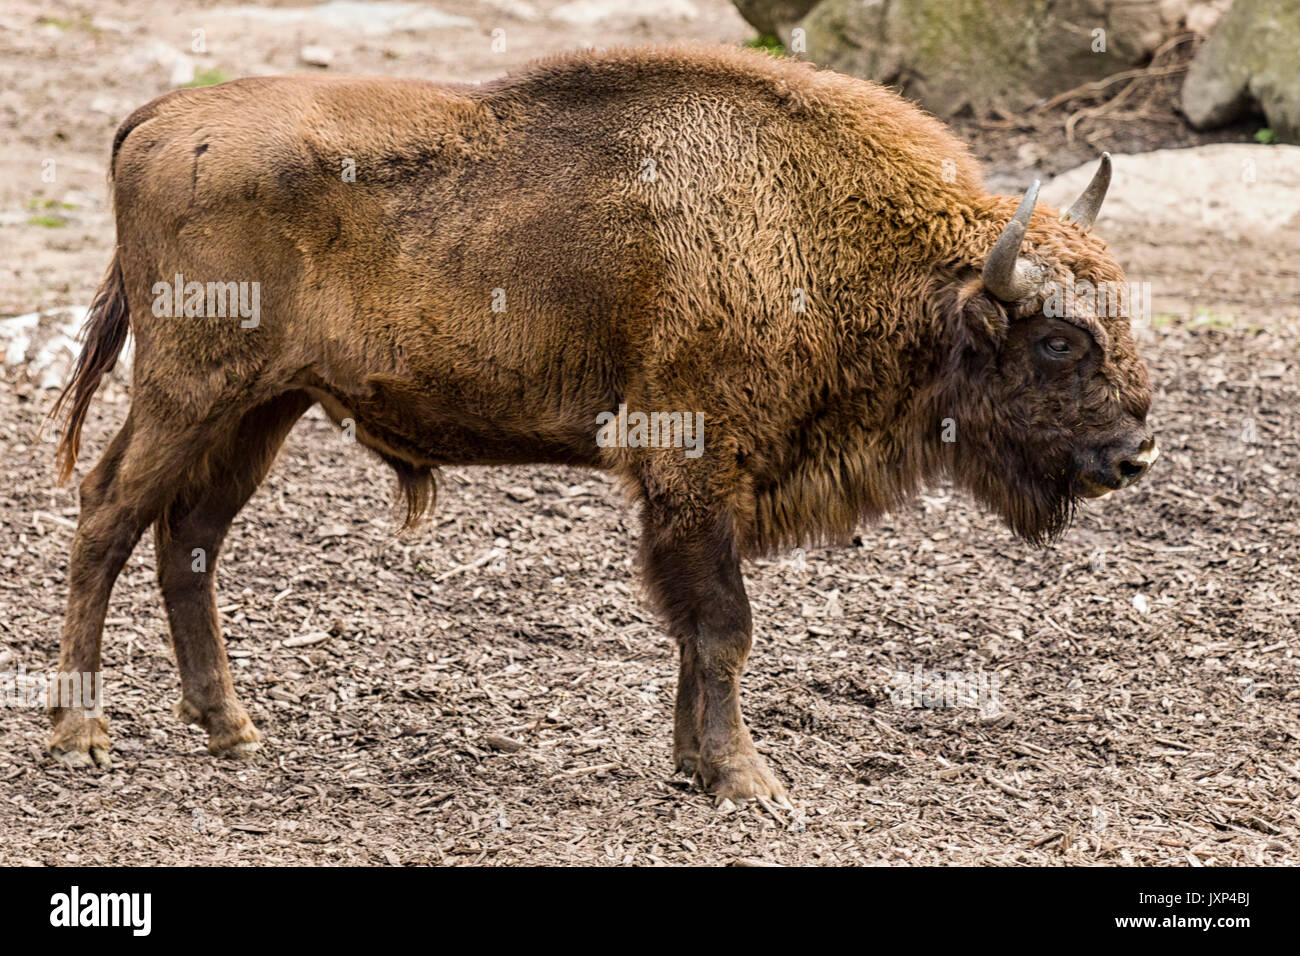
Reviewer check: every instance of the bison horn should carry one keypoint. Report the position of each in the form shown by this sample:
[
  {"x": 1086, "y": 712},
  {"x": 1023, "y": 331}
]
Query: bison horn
[
  {"x": 1084, "y": 211},
  {"x": 1006, "y": 275}
]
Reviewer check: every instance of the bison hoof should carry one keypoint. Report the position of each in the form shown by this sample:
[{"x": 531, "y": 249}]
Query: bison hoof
[
  {"x": 727, "y": 805},
  {"x": 240, "y": 742},
  {"x": 239, "y": 750},
  {"x": 91, "y": 757},
  {"x": 187, "y": 712},
  {"x": 81, "y": 742},
  {"x": 230, "y": 731},
  {"x": 741, "y": 777},
  {"x": 686, "y": 763}
]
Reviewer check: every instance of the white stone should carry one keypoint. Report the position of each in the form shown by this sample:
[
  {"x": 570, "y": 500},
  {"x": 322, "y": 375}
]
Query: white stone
[
  {"x": 588, "y": 12},
  {"x": 180, "y": 66},
  {"x": 371, "y": 19},
  {"x": 1238, "y": 190},
  {"x": 316, "y": 55},
  {"x": 41, "y": 346},
  {"x": 519, "y": 9}
]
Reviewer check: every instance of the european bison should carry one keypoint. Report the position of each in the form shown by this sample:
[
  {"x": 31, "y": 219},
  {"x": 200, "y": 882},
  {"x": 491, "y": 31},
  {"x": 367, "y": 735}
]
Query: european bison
[{"x": 528, "y": 271}]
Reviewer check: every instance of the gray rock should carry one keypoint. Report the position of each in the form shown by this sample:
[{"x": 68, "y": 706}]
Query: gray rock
[
  {"x": 986, "y": 54},
  {"x": 370, "y": 19},
  {"x": 1250, "y": 62},
  {"x": 608, "y": 12},
  {"x": 774, "y": 17},
  {"x": 1202, "y": 17},
  {"x": 1234, "y": 190}
]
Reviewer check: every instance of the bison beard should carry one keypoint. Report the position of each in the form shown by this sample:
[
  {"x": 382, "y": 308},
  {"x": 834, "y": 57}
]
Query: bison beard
[
  {"x": 814, "y": 266},
  {"x": 1038, "y": 503}
]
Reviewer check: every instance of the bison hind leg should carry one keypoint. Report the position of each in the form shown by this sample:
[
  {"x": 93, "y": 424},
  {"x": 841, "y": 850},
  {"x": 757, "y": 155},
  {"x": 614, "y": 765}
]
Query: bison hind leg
[{"x": 188, "y": 537}]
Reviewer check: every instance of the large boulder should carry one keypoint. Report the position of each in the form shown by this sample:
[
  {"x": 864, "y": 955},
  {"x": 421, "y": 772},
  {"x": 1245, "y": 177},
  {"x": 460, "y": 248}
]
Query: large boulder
[
  {"x": 1251, "y": 62},
  {"x": 986, "y": 54},
  {"x": 1236, "y": 190},
  {"x": 774, "y": 17}
]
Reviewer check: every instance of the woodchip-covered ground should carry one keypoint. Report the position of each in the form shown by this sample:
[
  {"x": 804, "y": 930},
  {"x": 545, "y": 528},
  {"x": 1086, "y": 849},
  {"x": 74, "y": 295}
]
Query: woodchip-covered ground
[{"x": 493, "y": 690}]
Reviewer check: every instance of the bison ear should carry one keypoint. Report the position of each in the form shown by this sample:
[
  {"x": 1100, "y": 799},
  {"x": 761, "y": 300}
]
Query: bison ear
[{"x": 975, "y": 321}]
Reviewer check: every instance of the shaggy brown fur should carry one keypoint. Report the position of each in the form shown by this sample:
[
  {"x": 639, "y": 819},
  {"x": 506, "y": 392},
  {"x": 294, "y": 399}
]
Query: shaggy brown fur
[{"x": 773, "y": 185}]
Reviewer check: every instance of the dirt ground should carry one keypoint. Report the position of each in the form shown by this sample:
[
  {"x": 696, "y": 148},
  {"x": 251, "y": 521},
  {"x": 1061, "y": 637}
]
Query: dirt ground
[{"x": 1146, "y": 664}]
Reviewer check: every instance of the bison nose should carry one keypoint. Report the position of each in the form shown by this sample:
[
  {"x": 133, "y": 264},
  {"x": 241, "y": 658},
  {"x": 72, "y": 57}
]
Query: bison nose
[{"x": 1128, "y": 467}]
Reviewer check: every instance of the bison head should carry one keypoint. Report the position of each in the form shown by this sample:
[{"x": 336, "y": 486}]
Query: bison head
[{"x": 1050, "y": 395}]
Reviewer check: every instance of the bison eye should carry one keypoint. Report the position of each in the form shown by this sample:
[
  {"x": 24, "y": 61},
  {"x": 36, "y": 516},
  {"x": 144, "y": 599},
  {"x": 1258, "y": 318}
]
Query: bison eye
[{"x": 1058, "y": 346}]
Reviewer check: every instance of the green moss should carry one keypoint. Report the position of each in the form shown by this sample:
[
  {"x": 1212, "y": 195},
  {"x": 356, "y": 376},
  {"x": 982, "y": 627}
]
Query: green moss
[
  {"x": 767, "y": 43},
  {"x": 38, "y": 202},
  {"x": 208, "y": 77},
  {"x": 80, "y": 23},
  {"x": 49, "y": 222},
  {"x": 1213, "y": 320},
  {"x": 938, "y": 30}
]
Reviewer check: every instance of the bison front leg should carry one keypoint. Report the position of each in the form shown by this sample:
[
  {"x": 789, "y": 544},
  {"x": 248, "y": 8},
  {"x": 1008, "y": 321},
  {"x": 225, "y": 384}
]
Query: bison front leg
[{"x": 693, "y": 574}]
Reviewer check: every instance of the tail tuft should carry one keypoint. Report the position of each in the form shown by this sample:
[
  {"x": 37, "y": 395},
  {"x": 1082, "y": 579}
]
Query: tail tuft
[
  {"x": 104, "y": 334},
  {"x": 419, "y": 489}
]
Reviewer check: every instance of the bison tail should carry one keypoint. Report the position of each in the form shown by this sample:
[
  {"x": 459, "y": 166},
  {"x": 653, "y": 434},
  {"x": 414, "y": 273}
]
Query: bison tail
[{"x": 104, "y": 334}]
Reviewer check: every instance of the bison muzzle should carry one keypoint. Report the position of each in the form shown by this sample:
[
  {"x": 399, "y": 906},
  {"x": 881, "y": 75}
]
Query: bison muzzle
[{"x": 800, "y": 264}]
